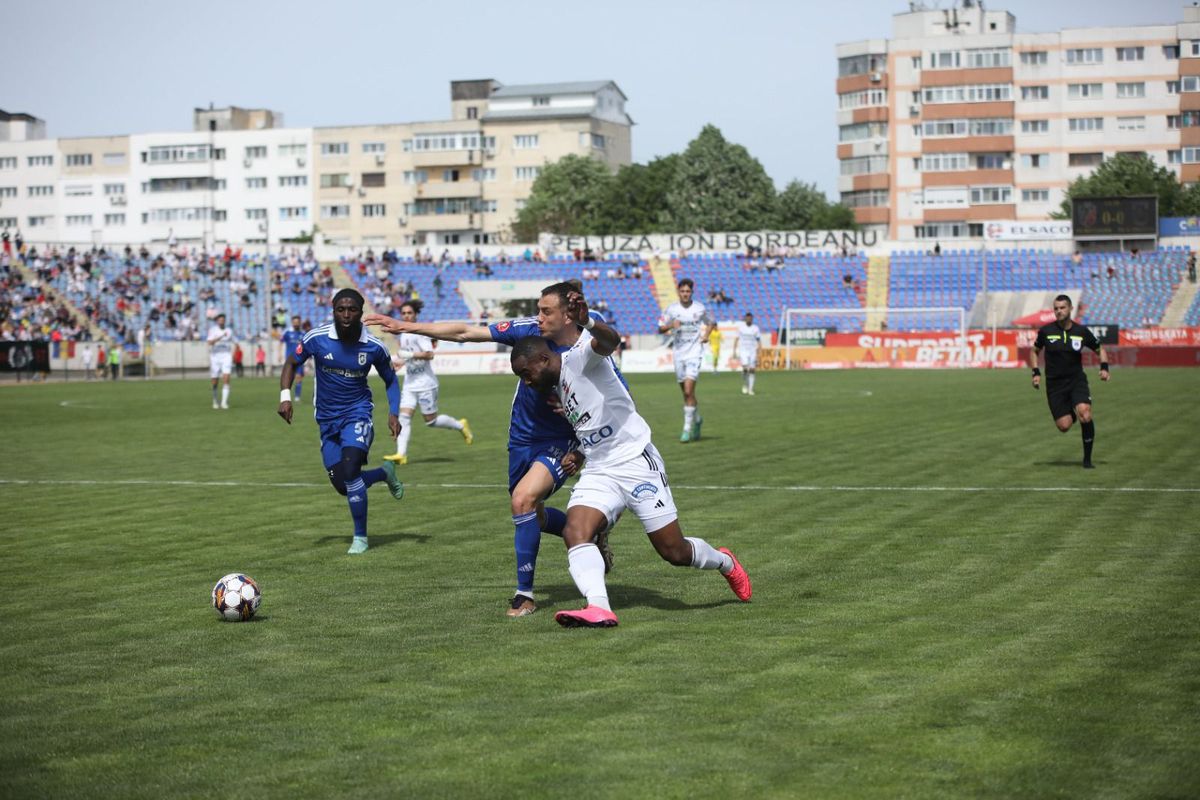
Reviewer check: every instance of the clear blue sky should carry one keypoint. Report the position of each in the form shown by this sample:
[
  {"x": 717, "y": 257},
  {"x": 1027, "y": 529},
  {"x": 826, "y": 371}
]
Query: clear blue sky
[{"x": 763, "y": 72}]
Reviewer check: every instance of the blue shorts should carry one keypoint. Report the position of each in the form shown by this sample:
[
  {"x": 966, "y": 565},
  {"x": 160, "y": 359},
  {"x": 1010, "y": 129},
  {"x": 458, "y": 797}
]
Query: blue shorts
[
  {"x": 549, "y": 452},
  {"x": 343, "y": 432}
]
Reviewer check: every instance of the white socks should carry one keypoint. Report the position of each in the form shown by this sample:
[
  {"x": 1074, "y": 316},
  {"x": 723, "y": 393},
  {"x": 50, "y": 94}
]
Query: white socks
[
  {"x": 405, "y": 432},
  {"x": 445, "y": 421},
  {"x": 750, "y": 379},
  {"x": 705, "y": 556},
  {"x": 587, "y": 568},
  {"x": 689, "y": 417},
  {"x": 225, "y": 394}
]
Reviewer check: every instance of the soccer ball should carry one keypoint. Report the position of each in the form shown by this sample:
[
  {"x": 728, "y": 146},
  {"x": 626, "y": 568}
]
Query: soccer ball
[{"x": 235, "y": 598}]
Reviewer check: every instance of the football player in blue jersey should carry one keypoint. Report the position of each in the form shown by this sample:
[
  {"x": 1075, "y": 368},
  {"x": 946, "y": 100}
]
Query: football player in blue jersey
[
  {"x": 542, "y": 450},
  {"x": 343, "y": 353},
  {"x": 291, "y": 340}
]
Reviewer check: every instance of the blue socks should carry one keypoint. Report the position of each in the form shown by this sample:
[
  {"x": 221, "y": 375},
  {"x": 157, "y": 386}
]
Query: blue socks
[
  {"x": 526, "y": 541},
  {"x": 370, "y": 477},
  {"x": 555, "y": 521},
  {"x": 356, "y": 497},
  {"x": 298, "y": 389}
]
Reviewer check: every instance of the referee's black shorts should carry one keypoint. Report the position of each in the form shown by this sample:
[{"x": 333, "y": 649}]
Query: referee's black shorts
[{"x": 1064, "y": 396}]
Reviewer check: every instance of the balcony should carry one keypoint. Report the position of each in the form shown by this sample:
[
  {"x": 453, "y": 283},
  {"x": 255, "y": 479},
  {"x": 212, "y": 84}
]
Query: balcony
[
  {"x": 443, "y": 222},
  {"x": 448, "y": 158},
  {"x": 435, "y": 190}
]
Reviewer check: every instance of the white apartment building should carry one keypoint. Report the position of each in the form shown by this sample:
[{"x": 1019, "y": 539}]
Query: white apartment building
[
  {"x": 958, "y": 119},
  {"x": 238, "y": 178}
]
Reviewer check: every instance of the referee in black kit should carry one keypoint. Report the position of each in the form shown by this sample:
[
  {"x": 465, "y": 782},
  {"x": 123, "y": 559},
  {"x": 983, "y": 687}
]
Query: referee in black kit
[{"x": 1066, "y": 384}]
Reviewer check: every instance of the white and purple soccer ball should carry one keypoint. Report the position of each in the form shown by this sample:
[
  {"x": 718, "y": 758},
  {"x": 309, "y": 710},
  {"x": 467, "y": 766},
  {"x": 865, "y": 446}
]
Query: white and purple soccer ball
[{"x": 235, "y": 598}]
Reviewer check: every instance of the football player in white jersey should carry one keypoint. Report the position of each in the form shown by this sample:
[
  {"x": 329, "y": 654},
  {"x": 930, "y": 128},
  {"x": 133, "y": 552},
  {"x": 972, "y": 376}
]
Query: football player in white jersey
[
  {"x": 690, "y": 325},
  {"x": 220, "y": 346},
  {"x": 420, "y": 388},
  {"x": 748, "y": 337},
  {"x": 623, "y": 469}
]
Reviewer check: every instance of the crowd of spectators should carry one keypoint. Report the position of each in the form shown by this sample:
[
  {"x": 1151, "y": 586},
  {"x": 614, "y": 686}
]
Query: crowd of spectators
[{"x": 28, "y": 312}]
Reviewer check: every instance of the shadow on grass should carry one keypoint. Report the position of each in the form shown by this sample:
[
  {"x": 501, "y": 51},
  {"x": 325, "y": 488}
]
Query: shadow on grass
[
  {"x": 625, "y": 596},
  {"x": 378, "y": 539},
  {"x": 1077, "y": 463}
]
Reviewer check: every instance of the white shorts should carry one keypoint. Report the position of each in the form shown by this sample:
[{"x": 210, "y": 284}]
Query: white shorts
[
  {"x": 425, "y": 400},
  {"x": 220, "y": 364},
  {"x": 687, "y": 368},
  {"x": 749, "y": 358},
  {"x": 639, "y": 485}
]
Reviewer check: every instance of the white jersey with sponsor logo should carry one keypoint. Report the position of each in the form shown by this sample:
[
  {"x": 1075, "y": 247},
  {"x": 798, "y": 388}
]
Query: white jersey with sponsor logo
[
  {"x": 747, "y": 337},
  {"x": 599, "y": 407},
  {"x": 220, "y": 340},
  {"x": 418, "y": 373},
  {"x": 686, "y": 338}
]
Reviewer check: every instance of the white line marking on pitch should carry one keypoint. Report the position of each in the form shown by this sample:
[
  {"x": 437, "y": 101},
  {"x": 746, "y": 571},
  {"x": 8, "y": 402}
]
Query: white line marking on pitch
[{"x": 707, "y": 488}]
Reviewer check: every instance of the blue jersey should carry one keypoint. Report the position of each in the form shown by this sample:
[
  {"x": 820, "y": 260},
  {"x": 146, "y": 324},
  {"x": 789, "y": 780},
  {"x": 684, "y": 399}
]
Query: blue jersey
[
  {"x": 291, "y": 339},
  {"x": 342, "y": 370},
  {"x": 533, "y": 418}
]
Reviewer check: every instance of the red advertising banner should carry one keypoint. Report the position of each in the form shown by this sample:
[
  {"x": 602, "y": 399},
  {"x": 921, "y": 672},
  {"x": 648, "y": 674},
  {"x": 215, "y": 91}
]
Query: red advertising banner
[{"x": 1161, "y": 337}]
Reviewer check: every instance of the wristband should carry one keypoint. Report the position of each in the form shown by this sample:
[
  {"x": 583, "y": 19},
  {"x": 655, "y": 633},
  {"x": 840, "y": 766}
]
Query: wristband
[
  {"x": 1104, "y": 366},
  {"x": 1036, "y": 372},
  {"x": 285, "y": 395},
  {"x": 591, "y": 323}
]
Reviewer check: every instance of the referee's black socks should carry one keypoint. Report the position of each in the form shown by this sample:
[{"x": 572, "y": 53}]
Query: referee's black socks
[{"x": 1089, "y": 436}]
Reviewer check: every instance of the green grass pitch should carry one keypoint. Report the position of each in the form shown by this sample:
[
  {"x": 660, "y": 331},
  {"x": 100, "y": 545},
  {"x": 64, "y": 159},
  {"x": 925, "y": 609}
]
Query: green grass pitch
[{"x": 946, "y": 604}]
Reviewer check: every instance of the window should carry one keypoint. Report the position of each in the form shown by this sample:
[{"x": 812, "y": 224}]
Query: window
[
  {"x": 993, "y": 161},
  {"x": 864, "y": 164},
  {"x": 8, "y": 162},
  {"x": 1170, "y": 51},
  {"x": 1084, "y": 159},
  {"x": 1035, "y": 126},
  {"x": 541, "y": 101},
  {"x": 374, "y": 179},
  {"x": 334, "y": 179},
  {"x": 1131, "y": 123},
  {"x": 335, "y": 212},
  {"x": 990, "y": 195},
  {"x": 452, "y": 205},
  {"x": 38, "y": 222},
  {"x": 943, "y": 230},
  {"x": 1035, "y": 92},
  {"x": 527, "y": 173},
  {"x": 113, "y": 159},
  {"x": 938, "y": 162},
  {"x": 219, "y": 215},
  {"x": 174, "y": 154},
  {"x": 1131, "y": 89},
  {"x": 1085, "y": 55},
  {"x": 1035, "y": 160},
  {"x": 1078, "y": 91},
  {"x": 1035, "y": 195},
  {"x": 293, "y": 149},
  {"x": 257, "y": 151},
  {"x": 256, "y": 213},
  {"x": 972, "y": 93},
  {"x": 374, "y": 210},
  {"x": 78, "y": 220},
  {"x": 1131, "y": 54},
  {"x": 114, "y": 188},
  {"x": 866, "y": 97},
  {"x": 862, "y": 130},
  {"x": 858, "y": 65},
  {"x": 598, "y": 141},
  {"x": 335, "y": 148},
  {"x": 8, "y": 191},
  {"x": 256, "y": 183},
  {"x": 944, "y": 59},
  {"x": 156, "y": 185},
  {"x": 1173, "y": 122},
  {"x": 1174, "y": 156},
  {"x": 292, "y": 181},
  {"x": 526, "y": 141},
  {"x": 451, "y": 141},
  {"x": 1191, "y": 155},
  {"x": 485, "y": 174},
  {"x": 40, "y": 161},
  {"x": 1172, "y": 87},
  {"x": 1085, "y": 124},
  {"x": 77, "y": 190},
  {"x": 412, "y": 176},
  {"x": 374, "y": 147},
  {"x": 989, "y": 57},
  {"x": 916, "y": 63},
  {"x": 41, "y": 191},
  {"x": 450, "y": 176},
  {"x": 1034, "y": 58},
  {"x": 293, "y": 212},
  {"x": 112, "y": 220},
  {"x": 79, "y": 159},
  {"x": 472, "y": 112},
  {"x": 865, "y": 199},
  {"x": 8, "y": 222},
  {"x": 1190, "y": 83}
]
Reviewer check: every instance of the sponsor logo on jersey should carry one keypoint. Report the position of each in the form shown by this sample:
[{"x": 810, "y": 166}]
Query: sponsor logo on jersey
[
  {"x": 593, "y": 439},
  {"x": 329, "y": 356},
  {"x": 503, "y": 326},
  {"x": 299, "y": 349},
  {"x": 644, "y": 490}
]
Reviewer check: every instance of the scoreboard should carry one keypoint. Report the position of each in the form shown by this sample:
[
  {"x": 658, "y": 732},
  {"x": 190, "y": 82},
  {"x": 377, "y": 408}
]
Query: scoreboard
[{"x": 1104, "y": 217}]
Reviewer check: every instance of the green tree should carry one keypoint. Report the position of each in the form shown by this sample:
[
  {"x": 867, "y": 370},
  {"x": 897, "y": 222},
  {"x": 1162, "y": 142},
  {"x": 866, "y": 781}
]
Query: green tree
[
  {"x": 719, "y": 186},
  {"x": 802, "y": 206},
  {"x": 566, "y": 198},
  {"x": 1129, "y": 174},
  {"x": 636, "y": 199}
]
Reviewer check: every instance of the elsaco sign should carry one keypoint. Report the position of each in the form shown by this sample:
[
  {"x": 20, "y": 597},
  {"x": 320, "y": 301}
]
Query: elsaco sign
[{"x": 1007, "y": 230}]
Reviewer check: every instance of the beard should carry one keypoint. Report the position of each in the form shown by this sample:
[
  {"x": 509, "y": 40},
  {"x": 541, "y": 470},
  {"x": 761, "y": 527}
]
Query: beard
[{"x": 348, "y": 334}]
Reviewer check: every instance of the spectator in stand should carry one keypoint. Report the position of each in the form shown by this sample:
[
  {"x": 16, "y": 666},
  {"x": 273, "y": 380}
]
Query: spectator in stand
[
  {"x": 7, "y": 243},
  {"x": 1191, "y": 267}
]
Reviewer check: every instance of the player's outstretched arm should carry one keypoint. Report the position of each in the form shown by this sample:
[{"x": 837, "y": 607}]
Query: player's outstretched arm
[{"x": 445, "y": 331}]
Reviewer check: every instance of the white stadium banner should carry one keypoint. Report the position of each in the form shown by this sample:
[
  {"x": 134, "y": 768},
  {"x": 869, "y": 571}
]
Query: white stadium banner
[{"x": 1007, "y": 230}]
